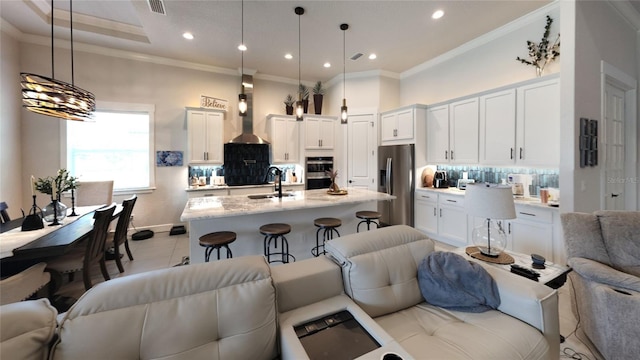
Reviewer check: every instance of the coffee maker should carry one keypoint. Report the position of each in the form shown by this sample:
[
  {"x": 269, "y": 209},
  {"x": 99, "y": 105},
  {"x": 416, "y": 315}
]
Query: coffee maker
[{"x": 440, "y": 179}]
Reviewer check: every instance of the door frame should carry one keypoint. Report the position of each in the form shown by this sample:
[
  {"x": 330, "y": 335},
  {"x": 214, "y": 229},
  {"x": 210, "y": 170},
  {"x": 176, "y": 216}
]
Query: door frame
[{"x": 611, "y": 74}]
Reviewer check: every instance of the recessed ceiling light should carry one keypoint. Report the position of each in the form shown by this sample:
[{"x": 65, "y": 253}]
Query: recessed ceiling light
[
  {"x": 188, "y": 36},
  {"x": 372, "y": 56},
  {"x": 242, "y": 47},
  {"x": 437, "y": 14},
  {"x": 288, "y": 56},
  {"x": 327, "y": 65}
]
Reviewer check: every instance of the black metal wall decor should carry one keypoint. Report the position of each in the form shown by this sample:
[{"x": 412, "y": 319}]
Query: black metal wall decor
[{"x": 588, "y": 142}]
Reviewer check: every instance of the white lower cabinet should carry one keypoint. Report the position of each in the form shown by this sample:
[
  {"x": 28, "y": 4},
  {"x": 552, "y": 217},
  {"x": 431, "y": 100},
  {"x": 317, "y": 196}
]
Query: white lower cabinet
[
  {"x": 442, "y": 217},
  {"x": 452, "y": 220},
  {"x": 531, "y": 232},
  {"x": 426, "y": 212}
]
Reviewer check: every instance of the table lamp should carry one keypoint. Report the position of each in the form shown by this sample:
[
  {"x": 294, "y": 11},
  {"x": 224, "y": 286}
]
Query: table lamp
[{"x": 489, "y": 201}]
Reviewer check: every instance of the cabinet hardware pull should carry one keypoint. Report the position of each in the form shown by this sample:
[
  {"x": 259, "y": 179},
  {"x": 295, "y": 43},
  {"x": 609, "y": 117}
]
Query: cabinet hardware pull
[
  {"x": 425, "y": 197},
  {"x": 451, "y": 154},
  {"x": 453, "y": 201},
  {"x": 511, "y": 156},
  {"x": 520, "y": 153},
  {"x": 434, "y": 211},
  {"x": 528, "y": 214},
  {"x": 440, "y": 212},
  {"x": 615, "y": 195},
  {"x": 446, "y": 154},
  {"x": 509, "y": 228}
]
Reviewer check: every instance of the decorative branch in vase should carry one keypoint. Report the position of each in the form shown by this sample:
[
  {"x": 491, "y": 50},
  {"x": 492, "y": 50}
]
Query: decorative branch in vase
[
  {"x": 333, "y": 174},
  {"x": 543, "y": 53}
]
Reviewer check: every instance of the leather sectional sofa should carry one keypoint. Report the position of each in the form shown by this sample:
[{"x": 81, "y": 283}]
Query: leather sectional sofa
[{"x": 242, "y": 308}]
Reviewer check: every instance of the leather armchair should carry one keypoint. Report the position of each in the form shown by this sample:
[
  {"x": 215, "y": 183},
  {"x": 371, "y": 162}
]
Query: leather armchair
[{"x": 603, "y": 249}]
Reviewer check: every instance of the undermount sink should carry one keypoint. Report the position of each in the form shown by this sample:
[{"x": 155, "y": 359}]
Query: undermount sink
[{"x": 269, "y": 196}]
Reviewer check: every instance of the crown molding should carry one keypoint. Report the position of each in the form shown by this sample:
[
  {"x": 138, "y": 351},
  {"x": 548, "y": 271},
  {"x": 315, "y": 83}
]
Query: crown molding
[
  {"x": 628, "y": 12},
  {"x": 9, "y": 29}
]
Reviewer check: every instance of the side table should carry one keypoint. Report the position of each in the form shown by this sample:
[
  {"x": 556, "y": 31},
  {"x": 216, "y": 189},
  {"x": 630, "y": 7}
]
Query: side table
[{"x": 553, "y": 275}]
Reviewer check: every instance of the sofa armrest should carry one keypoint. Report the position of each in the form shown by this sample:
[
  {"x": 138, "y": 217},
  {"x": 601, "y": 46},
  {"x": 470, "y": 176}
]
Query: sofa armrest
[
  {"x": 604, "y": 274},
  {"x": 306, "y": 282},
  {"x": 531, "y": 302},
  {"x": 26, "y": 328}
]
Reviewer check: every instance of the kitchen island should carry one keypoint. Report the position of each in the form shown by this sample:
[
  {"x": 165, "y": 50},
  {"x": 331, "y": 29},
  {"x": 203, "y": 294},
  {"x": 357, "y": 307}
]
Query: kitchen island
[{"x": 245, "y": 215}]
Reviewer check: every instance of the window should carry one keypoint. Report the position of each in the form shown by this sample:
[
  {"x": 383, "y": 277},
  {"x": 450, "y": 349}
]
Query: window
[{"x": 118, "y": 145}]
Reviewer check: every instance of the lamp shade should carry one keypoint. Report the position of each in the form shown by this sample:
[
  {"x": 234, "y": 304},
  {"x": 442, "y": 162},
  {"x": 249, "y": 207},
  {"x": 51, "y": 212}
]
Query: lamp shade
[{"x": 489, "y": 201}]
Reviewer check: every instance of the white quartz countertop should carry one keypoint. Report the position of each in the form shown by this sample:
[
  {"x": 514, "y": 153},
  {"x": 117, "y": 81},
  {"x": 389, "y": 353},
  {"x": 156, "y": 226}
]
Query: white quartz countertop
[
  {"x": 518, "y": 201},
  {"x": 237, "y": 205}
]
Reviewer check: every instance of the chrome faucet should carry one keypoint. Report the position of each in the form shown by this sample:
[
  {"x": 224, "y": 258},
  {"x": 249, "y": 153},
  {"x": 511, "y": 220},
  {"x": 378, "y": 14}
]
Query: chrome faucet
[{"x": 278, "y": 179}]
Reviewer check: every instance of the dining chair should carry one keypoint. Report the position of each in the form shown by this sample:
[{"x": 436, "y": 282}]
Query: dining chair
[
  {"x": 119, "y": 237},
  {"x": 94, "y": 193},
  {"x": 24, "y": 284},
  {"x": 84, "y": 256},
  {"x": 4, "y": 215}
]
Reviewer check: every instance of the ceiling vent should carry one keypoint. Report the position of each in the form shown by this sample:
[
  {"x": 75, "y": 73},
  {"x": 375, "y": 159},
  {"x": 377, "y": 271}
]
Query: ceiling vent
[
  {"x": 157, "y": 6},
  {"x": 356, "y": 56}
]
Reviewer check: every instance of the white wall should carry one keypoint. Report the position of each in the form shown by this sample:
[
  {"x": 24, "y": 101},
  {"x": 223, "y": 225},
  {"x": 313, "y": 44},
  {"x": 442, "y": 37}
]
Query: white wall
[
  {"x": 11, "y": 181},
  {"x": 601, "y": 34}
]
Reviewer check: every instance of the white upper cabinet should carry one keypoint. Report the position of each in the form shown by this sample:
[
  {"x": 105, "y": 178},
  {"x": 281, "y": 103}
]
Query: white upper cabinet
[
  {"x": 319, "y": 132},
  {"x": 205, "y": 136},
  {"x": 284, "y": 132},
  {"x": 452, "y": 132},
  {"x": 438, "y": 134},
  {"x": 398, "y": 127},
  {"x": 498, "y": 128},
  {"x": 538, "y": 124}
]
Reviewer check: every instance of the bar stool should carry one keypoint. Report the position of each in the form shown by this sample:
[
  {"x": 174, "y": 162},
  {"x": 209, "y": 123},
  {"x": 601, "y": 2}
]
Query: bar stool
[
  {"x": 329, "y": 225},
  {"x": 275, "y": 232},
  {"x": 215, "y": 241},
  {"x": 368, "y": 217}
]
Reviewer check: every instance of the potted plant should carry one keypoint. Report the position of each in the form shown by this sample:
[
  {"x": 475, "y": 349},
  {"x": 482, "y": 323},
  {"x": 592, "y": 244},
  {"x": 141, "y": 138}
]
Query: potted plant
[
  {"x": 304, "y": 91},
  {"x": 318, "y": 94},
  {"x": 288, "y": 104}
]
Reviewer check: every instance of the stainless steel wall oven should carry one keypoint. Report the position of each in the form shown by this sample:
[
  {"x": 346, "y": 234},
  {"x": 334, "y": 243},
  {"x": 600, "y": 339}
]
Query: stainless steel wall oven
[{"x": 316, "y": 177}]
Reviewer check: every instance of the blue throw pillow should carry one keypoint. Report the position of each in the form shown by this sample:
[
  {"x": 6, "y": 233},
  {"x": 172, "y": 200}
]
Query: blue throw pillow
[{"x": 452, "y": 282}]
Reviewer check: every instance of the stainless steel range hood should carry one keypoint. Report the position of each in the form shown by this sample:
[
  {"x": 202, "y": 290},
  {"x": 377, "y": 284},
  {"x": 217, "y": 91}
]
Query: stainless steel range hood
[{"x": 247, "y": 136}]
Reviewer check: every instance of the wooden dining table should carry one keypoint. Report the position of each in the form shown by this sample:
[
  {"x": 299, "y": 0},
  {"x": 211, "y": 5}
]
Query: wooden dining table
[{"x": 21, "y": 249}]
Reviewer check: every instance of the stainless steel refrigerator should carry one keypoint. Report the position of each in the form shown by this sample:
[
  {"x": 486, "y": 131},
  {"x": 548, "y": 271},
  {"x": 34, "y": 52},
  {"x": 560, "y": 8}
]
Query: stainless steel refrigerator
[{"x": 396, "y": 177}]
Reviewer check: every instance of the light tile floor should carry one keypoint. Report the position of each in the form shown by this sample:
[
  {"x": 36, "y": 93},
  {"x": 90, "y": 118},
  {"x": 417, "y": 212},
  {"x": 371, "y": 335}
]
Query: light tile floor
[{"x": 164, "y": 251}]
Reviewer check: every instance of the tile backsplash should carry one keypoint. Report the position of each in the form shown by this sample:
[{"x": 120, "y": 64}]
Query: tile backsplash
[{"x": 540, "y": 178}]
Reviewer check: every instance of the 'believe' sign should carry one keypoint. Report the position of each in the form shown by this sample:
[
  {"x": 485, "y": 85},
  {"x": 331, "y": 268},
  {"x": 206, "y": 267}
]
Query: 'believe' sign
[{"x": 209, "y": 102}]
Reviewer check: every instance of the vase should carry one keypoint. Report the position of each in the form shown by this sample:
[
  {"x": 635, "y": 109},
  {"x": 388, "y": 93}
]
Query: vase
[
  {"x": 539, "y": 71},
  {"x": 289, "y": 109},
  {"x": 317, "y": 103},
  {"x": 305, "y": 105},
  {"x": 334, "y": 187},
  {"x": 47, "y": 212}
]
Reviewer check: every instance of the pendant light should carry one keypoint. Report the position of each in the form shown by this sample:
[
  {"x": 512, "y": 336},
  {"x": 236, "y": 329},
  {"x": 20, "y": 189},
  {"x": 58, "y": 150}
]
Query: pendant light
[
  {"x": 343, "y": 108},
  {"x": 51, "y": 97},
  {"x": 242, "y": 98},
  {"x": 299, "y": 108}
]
